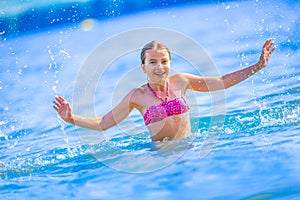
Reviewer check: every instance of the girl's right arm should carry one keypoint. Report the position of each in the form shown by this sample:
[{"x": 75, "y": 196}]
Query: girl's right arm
[
  {"x": 207, "y": 84},
  {"x": 113, "y": 117}
]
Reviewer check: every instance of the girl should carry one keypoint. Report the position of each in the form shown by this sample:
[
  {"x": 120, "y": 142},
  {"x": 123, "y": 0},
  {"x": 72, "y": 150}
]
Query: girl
[{"x": 161, "y": 101}]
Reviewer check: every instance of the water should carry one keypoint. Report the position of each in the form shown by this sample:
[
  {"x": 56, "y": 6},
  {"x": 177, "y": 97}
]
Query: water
[{"x": 255, "y": 157}]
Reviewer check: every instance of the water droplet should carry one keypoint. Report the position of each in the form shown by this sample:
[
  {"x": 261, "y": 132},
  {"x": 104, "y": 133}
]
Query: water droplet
[
  {"x": 228, "y": 131},
  {"x": 87, "y": 25},
  {"x": 54, "y": 89}
]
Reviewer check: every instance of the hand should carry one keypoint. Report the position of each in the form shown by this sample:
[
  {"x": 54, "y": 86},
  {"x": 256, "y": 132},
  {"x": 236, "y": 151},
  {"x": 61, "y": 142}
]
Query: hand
[
  {"x": 63, "y": 109},
  {"x": 266, "y": 52}
]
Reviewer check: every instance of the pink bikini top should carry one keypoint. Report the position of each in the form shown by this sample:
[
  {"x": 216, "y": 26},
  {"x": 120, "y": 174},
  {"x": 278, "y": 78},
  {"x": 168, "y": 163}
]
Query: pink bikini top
[{"x": 165, "y": 109}]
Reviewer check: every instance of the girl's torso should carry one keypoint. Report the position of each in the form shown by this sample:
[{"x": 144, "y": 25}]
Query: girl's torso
[{"x": 165, "y": 118}]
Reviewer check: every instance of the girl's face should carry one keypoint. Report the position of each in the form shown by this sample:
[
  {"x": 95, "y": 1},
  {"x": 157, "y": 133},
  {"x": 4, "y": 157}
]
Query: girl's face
[{"x": 157, "y": 65}]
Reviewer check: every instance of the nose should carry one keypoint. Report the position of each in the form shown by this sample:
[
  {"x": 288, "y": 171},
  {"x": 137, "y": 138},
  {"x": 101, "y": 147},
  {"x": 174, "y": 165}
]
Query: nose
[{"x": 159, "y": 65}]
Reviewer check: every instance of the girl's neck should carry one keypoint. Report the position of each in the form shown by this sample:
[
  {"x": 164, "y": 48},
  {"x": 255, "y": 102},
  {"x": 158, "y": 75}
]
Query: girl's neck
[
  {"x": 163, "y": 98},
  {"x": 158, "y": 86}
]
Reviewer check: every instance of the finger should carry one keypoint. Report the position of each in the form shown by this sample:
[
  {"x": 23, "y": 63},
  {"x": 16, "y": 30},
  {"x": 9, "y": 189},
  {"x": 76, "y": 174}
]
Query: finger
[
  {"x": 273, "y": 49},
  {"x": 56, "y": 104},
  {"x": 58, "y": 99},
  {"x": 268, "y": 50},
  {"x": 55, "y": 108},
  {"x": 61, "y": 100},
  {"x": 269, "y": 40},
  {"x": 270, "y": 45},
  {"x": 267, "y": 43}
]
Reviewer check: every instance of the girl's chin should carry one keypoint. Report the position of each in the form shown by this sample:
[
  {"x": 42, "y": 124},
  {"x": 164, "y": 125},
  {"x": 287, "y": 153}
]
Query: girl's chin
[{"x": 158, "y": 79}]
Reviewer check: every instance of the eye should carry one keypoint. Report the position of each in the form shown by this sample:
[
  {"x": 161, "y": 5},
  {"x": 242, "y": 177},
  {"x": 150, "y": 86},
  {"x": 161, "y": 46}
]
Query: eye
[{"x": 152, "y": 62}]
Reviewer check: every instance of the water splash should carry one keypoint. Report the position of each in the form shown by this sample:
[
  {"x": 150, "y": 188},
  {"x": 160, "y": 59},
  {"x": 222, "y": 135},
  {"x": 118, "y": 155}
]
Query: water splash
[{"x": 57, "y": 61}]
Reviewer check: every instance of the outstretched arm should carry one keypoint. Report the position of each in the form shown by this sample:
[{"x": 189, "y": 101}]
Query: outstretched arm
[
  {"x": 113, "y": 117},
  {"x": 206, "y": 84}
]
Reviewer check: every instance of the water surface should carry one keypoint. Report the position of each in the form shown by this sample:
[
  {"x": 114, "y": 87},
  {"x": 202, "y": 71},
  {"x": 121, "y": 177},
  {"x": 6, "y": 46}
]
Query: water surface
[{"x": 255, "y": 156}]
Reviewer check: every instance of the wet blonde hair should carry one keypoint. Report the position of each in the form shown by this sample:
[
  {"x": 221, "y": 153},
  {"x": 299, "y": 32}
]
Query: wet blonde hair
[{"x": 153, "y": 45}]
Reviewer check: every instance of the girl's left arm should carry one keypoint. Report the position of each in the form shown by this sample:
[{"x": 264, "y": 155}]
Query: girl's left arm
[{"x": 206, "y": 84}]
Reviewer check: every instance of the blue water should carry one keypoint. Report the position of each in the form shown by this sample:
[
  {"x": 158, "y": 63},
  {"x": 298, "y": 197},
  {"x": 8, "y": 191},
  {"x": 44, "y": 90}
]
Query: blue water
[{"x": 256, "y": 155}]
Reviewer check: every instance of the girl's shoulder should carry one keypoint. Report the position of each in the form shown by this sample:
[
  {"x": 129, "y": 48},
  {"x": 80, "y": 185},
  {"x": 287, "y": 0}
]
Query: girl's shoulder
[
  {"x": 139, "y": 90},
  {"x": 138, "y": 93},
  {"x": 178, "y": 79},
  {"x": 139, "y": 96},
  {"x": 178, "y": 76}
]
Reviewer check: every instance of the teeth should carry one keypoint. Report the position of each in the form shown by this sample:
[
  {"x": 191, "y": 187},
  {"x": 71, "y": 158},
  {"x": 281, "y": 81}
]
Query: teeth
[{"x": 160, "y": 73}]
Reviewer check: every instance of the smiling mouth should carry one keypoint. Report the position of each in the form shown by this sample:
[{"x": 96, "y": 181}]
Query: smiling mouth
[{"x": 160, "y": 73}]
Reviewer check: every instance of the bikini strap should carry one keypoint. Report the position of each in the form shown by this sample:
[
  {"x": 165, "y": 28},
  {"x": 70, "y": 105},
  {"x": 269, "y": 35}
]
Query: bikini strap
[{"x": 159, "y": 97}]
